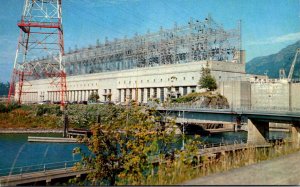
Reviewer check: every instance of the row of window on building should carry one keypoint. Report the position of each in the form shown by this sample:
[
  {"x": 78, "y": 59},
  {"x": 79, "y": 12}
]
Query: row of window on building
[
  {"x": 154, "y": 80},
  {"x": 142, "y": 95}
]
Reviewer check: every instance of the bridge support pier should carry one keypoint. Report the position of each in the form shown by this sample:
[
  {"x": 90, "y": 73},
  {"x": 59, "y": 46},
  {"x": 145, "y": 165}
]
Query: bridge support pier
[
  {"x": 295, "y": 130},
  {"x": 258, "y": 132}
]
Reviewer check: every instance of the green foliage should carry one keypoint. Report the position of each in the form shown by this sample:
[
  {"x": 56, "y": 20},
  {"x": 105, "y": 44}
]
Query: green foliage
[
  {"x": 25, "y": 117},
  {"x": 48, "y": 110},
  {"x": 2, "y": 108},
  {"x": 204, "y": 99},
  {"x": 93, "y": 97},
  {"x": 189, "y": 97},
  {"x": 153, "y": 100},
  {"x": 120, "y": 150},
  {"x": 8, "y": 108},
  {"x": 82, "y": 116},
  {"x": 41, "y": 110},
  {"x": 207, "y": 81},
  {"x": 125, "y": 144}
]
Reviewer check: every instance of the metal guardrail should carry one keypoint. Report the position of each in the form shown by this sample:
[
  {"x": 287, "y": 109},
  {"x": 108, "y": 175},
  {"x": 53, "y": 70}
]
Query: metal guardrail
[
  {"x": 37, "y": 168},
  {"x": 212, "y": 145},
  {"x": 180, "y": 106}
]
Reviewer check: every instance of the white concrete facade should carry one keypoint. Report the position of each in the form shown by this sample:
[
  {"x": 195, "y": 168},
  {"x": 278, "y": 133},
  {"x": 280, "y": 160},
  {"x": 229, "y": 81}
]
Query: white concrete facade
[
  {"x": 141, "y": 83},
  {"x": 277, "y": 94},
  {"x": 262, "y": 94}
]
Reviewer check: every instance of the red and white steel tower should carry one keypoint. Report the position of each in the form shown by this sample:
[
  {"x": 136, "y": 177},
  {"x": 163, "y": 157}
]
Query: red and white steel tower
[{"x": 40, "y": 48}]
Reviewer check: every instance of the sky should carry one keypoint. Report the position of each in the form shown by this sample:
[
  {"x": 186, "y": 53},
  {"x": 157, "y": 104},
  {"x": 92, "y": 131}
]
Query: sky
[{"x": 267, "y": 25}]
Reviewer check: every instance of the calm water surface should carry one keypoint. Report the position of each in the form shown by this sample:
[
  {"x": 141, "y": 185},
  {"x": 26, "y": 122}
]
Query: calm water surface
[{"x": 15, "y": 151}]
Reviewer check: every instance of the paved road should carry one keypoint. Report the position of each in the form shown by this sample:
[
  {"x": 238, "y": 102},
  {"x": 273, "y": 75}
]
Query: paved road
[{"x": 284, "y": 170}]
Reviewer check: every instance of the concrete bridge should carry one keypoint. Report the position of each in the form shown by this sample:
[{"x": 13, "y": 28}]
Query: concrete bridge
[{"x": 257, "y": 120}]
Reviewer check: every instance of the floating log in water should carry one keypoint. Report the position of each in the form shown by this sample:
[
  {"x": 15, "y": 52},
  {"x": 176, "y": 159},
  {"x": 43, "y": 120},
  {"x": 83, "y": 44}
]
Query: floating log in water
[{"x": 51, "y": 139}]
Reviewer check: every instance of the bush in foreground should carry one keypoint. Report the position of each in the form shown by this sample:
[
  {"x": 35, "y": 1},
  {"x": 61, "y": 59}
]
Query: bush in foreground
[{"x": 125, "y": 147}]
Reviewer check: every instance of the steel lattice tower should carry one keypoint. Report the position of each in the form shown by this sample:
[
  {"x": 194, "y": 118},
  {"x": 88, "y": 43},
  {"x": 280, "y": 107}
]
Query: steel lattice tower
[{"x": 40, "y": 48}]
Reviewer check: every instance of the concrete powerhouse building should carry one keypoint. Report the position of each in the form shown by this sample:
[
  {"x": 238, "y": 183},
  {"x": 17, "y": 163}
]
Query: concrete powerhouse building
[{"x": 156, "y": 65}]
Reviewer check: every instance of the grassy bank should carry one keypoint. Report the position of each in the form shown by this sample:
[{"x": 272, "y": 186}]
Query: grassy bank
[
  {"x": 179, "y": 172},
  {"x": 27, "y": 119},
  {"x": 204, "y": 99},
  {"x": 49, "y": 116}
]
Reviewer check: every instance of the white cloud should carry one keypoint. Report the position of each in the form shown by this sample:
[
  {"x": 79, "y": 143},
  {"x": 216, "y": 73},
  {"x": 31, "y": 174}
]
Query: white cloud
[{"x": 278, "y": 39}]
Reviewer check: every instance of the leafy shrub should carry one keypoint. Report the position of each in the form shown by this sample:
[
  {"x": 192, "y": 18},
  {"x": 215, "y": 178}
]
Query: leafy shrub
[
  {"x": 41, "y": 110},
  {"x": 93, "y": 97},
  {"x": 3, "y": 108},
  {"x": 48, "y": 110},
  {"x": 10, "y": 107}
]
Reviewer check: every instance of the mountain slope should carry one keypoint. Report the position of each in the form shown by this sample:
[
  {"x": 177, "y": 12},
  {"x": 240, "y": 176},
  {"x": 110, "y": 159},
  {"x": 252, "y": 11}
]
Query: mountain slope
[{"x": 273, "y": 63}]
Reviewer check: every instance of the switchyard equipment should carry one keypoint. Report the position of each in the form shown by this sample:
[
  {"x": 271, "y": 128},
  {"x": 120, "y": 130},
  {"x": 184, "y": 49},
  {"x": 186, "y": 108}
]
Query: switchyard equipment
[
  {"x": 282, "y": 73},
  {"x": 196, "y": 41},
  {"x": 41, "y": 34}
]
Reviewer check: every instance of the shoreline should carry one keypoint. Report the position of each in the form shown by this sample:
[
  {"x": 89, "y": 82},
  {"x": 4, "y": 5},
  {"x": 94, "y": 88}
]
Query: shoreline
[{"x": 29, "y": 131}]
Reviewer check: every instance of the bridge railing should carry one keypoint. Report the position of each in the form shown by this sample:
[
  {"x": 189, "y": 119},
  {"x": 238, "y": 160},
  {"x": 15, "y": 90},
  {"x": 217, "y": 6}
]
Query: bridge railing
[
  {"x": 192, "y": 106},
  {"x": 37, "y": 168},
  {"x": 223, "y": 143},
  {"x": 185, "y": 106},
  {"x": 269, "y": 109},
  {"x": 240, "y": 142}
]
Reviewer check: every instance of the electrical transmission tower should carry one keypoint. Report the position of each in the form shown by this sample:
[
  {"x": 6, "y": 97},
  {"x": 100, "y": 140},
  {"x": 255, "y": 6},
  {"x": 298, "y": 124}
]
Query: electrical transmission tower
[{"x": 40, "y": 49}]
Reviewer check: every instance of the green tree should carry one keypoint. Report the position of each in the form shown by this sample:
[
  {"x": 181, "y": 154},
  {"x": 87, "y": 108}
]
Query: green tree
[
  {"x": 207, "y": 81},
  {"x": 93, "y": 97},
  {"x": 130, "y": 147},
  {"x": 123, "y": 145}
]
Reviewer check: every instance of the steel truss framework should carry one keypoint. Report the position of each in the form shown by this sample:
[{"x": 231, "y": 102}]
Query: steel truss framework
[
  {"x": 41, "y": 34},
  {"x": 196, "y": 41}
]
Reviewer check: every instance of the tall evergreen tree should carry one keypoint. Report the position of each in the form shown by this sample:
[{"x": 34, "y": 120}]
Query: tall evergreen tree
[{"x": 207, "y": 81}]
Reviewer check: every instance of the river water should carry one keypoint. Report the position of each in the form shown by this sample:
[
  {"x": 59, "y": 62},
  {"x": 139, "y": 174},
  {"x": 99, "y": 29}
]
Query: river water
[{"x": 16, "y": 152}]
